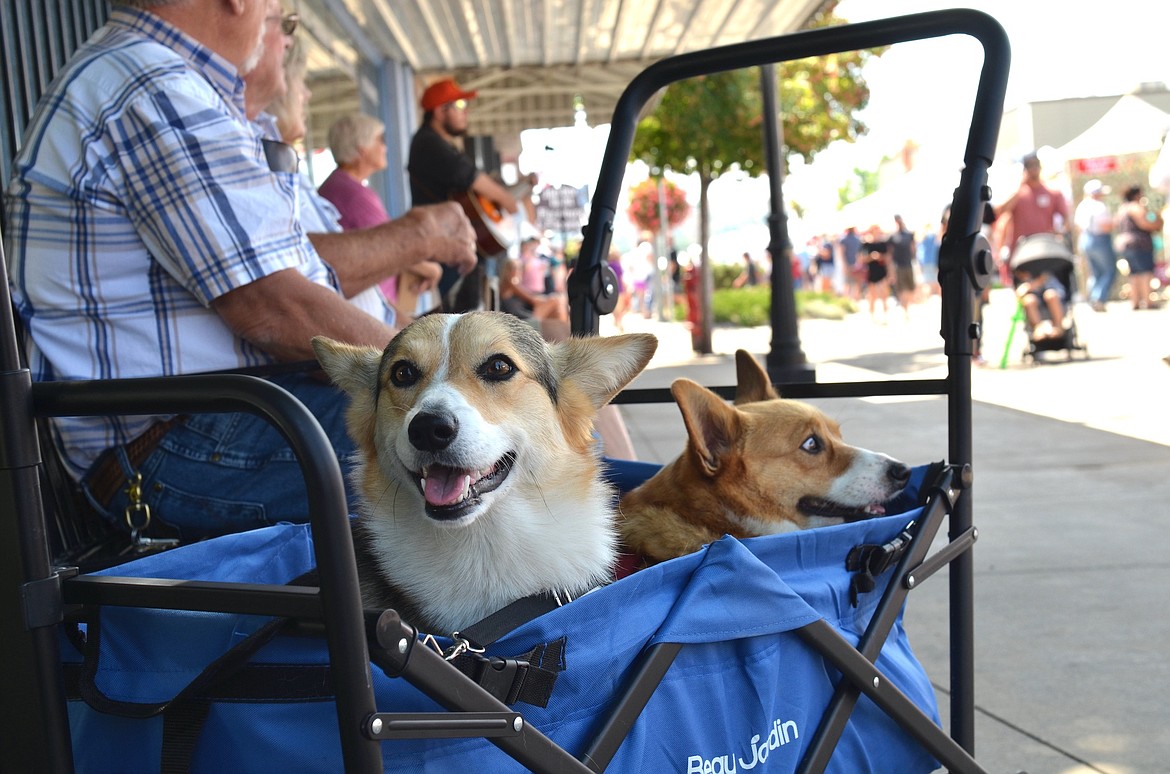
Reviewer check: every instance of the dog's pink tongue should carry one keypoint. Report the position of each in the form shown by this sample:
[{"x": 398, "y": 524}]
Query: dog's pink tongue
[{"x": 445, "y": 486}]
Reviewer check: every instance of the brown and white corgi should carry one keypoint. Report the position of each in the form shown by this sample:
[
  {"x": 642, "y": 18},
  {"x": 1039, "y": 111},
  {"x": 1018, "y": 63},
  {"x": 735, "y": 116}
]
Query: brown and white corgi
[
  {"x": 763, "y": 466},
  {"x": 478, "y": 469}
]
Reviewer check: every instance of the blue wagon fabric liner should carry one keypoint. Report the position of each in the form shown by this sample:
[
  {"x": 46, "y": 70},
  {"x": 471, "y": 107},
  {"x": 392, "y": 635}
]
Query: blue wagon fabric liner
[{"x": 744, "y": 694}]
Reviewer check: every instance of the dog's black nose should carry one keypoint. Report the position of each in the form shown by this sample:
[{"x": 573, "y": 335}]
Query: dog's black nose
[
  {"x": 432, "y": 432},
  {"x": 899, "y": 473}
]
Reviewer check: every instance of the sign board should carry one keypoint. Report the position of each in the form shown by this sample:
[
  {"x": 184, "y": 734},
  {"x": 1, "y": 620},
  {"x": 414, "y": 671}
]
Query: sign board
[{"x": 1093, "y": 167}]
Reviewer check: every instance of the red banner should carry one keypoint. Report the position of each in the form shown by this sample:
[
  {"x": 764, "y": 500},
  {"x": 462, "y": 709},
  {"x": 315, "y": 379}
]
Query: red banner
[{"x": 1098, "y": 166}]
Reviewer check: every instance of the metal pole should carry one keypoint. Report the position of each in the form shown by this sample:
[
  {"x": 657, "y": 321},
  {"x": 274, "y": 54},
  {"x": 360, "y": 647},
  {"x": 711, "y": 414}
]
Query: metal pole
[
  {"x": 662, "y": 296},
  {"x": 786, "y": 361},
  {"x": 32, "y": 708}
]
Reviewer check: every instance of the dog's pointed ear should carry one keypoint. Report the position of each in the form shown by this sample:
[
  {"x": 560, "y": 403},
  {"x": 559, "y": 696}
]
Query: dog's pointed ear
[
  {"x": 353, "y": 369},
  {"x": 752, "y": 383},
  {"x": 713, "y": 426},
  {"x": 601, "y": 366}
]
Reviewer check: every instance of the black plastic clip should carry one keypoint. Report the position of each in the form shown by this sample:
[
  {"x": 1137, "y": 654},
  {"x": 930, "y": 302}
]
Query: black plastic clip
[
  {"x": 41, "y": 600},
  {"x": 501, "y": 677},
  {"x": 528, "y": 678},
  {"x": 868, "y": 561}
]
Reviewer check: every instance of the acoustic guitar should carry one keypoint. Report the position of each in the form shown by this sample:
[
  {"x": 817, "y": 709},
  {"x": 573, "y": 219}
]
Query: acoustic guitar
[{"x": 495, "y": 231}]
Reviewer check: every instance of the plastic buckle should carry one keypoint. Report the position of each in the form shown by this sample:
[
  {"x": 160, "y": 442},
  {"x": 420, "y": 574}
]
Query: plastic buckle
[{"x": 498, "y": 676}]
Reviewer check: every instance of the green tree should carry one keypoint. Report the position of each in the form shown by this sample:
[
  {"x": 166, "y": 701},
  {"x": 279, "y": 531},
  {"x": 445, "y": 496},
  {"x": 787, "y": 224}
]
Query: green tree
[
  {"x": 712, "y": 124},
  {"x": 861, "y": 185}
]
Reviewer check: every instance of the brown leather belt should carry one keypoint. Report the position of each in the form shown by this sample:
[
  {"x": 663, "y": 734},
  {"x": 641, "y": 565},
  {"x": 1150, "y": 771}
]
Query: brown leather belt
[{"x": 106, "y": 476}]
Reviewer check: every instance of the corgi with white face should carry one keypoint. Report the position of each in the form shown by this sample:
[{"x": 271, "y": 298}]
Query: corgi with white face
[
  {"x": 762, "y": 466},
  {"x": 479, "y": 471}
]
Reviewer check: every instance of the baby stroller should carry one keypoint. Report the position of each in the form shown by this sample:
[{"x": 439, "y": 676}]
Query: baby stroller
[{"x": 1036, "y": 257}]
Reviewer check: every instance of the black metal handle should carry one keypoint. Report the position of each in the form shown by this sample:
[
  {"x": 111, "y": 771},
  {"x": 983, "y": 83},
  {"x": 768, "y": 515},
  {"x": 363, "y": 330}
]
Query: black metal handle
[
  {"x": 328, "y": 512},
  {"x": 820, "y": 42}
]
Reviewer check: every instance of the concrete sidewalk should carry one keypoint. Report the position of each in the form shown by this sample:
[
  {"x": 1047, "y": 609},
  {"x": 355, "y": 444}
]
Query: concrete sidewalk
[{"x": 1072, "y": 499}]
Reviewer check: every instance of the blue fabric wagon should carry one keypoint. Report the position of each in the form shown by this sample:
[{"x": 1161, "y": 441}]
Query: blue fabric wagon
[
  {"x": 774, "y": 654},
  {"x": 745, "y": 689}
]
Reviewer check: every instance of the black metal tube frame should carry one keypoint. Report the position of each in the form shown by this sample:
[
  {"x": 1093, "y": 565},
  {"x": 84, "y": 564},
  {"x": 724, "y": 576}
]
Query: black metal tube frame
[
  {"x": 339, "y": 601},
  {"x": 802, "y": 390},
  {"x": 857, "y": 663},
  {"x": 401, "y": 653},
  {"x": 962, "y": 267}
]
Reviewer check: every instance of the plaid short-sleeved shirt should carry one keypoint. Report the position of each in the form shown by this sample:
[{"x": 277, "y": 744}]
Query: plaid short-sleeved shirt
[{"x": 140, "y": 195}]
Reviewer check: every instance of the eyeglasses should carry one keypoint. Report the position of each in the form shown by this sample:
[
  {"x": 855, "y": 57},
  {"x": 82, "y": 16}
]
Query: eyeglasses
[
  {"x": 288, "y": 22},
  {"x": 459, "y": 104}
]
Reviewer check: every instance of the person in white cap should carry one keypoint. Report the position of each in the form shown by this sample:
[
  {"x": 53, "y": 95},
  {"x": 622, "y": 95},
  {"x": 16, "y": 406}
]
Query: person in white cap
[{"x": 1095, "y": 222}]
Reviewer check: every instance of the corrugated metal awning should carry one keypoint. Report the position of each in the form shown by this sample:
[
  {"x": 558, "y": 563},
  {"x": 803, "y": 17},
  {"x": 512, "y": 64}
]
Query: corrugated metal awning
[{"x": 532, "y": 61}]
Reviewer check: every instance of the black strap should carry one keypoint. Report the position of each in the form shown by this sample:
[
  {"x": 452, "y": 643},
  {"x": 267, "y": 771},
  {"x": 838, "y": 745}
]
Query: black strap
[
  {"x": 182, "y": 725},
  {"x": 223, "y": 667},
  {"x": 493, "y": 627},
  {"x": 527, "y": 678},
  {"x": 185, "y": 713},
  {"x": 869, "y": 561}
]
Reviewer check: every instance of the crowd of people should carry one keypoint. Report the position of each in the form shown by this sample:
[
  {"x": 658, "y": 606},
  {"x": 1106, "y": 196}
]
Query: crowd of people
[
  {"x": 895, "y": 266},
  {"x": 880, "y": 267}
]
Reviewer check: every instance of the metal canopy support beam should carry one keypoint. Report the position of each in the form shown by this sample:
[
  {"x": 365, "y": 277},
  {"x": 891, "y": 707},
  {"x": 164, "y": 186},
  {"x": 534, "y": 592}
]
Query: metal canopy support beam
[{"x": 395, "y": 107}]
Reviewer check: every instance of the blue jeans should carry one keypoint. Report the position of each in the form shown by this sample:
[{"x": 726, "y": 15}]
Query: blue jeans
[
  {"x": 217, "y": 473},
  {"x": 1098, "y": 249}
]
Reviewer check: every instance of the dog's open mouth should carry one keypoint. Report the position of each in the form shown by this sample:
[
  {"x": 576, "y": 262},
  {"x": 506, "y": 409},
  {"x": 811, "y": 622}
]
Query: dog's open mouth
[
  {"x": 816, "y": 506},
  {"x": 452, "y": 492}
]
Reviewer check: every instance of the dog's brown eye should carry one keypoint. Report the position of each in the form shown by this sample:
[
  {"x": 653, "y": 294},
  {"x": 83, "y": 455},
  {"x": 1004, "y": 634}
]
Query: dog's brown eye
[
  {"x": 812, "y": 445},
  {"x": 403, "y": 373},
  {"x": 497, "y": 369}
]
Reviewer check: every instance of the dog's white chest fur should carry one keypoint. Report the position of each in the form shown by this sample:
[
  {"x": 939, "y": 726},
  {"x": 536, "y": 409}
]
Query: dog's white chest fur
[{"x": 522, "y": 545}]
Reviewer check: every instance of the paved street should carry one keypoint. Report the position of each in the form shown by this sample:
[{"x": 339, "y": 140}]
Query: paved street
[{"x": 1072, "y": 501}]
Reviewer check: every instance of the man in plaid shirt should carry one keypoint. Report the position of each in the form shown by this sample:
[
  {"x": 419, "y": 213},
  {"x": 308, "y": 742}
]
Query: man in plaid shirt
[{"x": 148, "y": 236}]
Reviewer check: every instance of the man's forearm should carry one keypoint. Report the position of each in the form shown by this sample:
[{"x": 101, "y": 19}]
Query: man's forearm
[
  {"x": 365, "y": 257},
  {"x": 282, "y": 312},
  {"x": 362, "y": 258}
]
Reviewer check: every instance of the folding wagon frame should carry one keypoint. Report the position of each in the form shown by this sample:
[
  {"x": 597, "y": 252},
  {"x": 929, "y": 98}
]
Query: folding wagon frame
[{"x": 34, "y": 595}]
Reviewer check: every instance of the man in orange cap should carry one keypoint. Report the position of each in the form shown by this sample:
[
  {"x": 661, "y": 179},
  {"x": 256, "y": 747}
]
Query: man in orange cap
[{"x": 439, "y": 170}]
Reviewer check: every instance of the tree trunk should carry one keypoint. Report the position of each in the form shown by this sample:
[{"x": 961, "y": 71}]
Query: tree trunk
[{"x": 702, "y": 342}]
